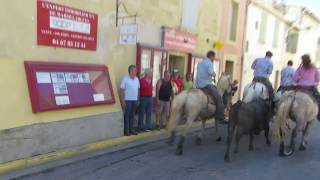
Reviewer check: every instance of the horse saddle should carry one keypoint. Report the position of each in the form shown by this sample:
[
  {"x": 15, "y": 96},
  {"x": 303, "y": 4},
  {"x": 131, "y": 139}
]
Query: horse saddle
[
  {"x": 306, "y": 90},
  {"x": 210, "y": 98},
  {"x": 286, "y": 88}
]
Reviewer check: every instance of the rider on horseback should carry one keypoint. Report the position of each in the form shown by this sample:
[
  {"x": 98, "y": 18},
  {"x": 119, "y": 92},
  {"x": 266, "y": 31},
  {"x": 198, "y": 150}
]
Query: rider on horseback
[
  {"x": 262, "y": 70},
  {"x": 204, "y": 76},
  {"x": 307, "y": 77}
]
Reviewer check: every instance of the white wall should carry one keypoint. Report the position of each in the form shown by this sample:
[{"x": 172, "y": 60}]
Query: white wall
[
  {"x": 256, "y": 49},
  {"x": 190, "y": 11}
]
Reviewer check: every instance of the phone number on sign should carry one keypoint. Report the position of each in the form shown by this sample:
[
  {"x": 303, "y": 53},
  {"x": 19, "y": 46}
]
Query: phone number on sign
[{"x": 68, "y": 43}]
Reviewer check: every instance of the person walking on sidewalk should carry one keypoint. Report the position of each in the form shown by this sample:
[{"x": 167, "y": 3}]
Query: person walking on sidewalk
[
  {"x": 129, "y": 92},
  {"x": 164, "y": 95},
  {"x": 145, "y": 101}
]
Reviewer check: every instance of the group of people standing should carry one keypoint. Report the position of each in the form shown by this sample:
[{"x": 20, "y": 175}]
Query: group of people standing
[{"x": 137, "y": 93}]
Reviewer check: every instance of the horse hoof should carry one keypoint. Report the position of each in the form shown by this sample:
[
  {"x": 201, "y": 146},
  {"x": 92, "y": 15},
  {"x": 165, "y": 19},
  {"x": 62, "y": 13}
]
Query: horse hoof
[
  {"x": 226, "y": 159},
  {"x": 219, "y": 139},
  {"x": 286, "y": 153},
  {"x": 179, "y": 151},
  {"x": 268, "y": 143},
  {"x": 302, "y": 148},
  {"x": 236, "y": 151},
  {"x": 251, "y": 148},
  {"x": 198, "y": 141}
]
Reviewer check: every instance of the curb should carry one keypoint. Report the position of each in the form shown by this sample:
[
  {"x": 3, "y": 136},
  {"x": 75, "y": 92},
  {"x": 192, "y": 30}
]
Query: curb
[{"x": 66, "y": 156}]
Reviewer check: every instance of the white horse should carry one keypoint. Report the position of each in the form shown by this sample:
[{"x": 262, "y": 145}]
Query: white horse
[
  {"x": 191, "y": 105},
  {"x": 296, "y": 111},
  {"x": 255, "y": 90}
]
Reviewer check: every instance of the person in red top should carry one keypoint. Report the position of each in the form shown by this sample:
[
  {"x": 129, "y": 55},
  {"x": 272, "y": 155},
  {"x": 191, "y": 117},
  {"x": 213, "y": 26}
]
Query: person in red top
[
  {"x": 177, "y": 80},
  {"x": 145, "y": 101}
]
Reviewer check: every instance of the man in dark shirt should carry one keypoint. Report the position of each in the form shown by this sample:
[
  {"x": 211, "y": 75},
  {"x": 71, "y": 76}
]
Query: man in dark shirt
[{"x": 164, "y": 95}]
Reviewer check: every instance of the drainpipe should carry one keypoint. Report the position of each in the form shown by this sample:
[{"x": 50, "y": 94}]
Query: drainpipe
[{"x": 248, "y": 2}]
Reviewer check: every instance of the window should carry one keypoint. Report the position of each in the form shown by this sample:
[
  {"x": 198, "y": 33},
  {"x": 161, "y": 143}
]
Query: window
[
  {"x": 145, "y": 60},
  {"x": 263, "y": 28},
  {"x": 276, "y": 34},
  {"x": 247, "y": 46},
  {"x": 292, "y": 41},
  {"x": 190, "y": 11},
  {"x": 234, "y": 21},
  {"x": 257, "y": 25}
]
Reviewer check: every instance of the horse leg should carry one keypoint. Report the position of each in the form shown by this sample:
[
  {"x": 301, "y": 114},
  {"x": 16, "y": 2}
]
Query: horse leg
[
  {"x": 283, "y": 149},
  {"x": 266, "y": 134},
  {"x": 304, "y": 140},
  {"x": 293, "y": 137},
  {"x": 201, "y": 133},
  {"x": 251, "y": 141},
  {"x": 217, "y": 135},
  {"x": 172, "y": 128},
  {"x": 238, "y": 137},
  {"x": 179, "y": 150},
  {"x": 231, "y": 133}
]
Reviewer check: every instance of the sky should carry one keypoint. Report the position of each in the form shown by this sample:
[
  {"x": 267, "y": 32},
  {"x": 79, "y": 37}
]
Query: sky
[{"x": 312, "y": 5}]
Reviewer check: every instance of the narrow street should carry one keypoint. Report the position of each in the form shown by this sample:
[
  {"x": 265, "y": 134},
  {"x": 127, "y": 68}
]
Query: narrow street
[{"x": 158, "y": 161}]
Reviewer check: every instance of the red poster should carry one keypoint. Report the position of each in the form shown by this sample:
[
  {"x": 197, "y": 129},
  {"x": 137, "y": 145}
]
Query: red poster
[
  {"x": 66, "y": 27},
  {"x": 177, "y": 40}
]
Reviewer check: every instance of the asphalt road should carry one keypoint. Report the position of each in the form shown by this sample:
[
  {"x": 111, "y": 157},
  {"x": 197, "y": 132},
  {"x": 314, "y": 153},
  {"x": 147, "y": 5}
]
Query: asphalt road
[{"x": 158, "y": 161}]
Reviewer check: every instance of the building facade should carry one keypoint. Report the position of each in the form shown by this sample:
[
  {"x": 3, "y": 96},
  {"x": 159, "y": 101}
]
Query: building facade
[
  {"x": 266, "y": 29},
  {"x": 24, "y": 133},
  {"x": 232, "y": 35},
  {"x": 302, "y": 34}
]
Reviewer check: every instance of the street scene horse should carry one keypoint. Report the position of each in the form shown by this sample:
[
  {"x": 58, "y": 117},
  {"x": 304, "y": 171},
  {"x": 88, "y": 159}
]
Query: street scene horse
[
  {"x": 296, "y": 112},
  {"x": 255, "y": 90},
  {"x": 247, "y": 118},
  {"x": 191, "y": 105}
]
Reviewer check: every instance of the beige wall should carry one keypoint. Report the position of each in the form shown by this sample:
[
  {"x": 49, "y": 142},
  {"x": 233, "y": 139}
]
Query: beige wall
[
  {"x": 18, "y": 42},
  {"x": 232, "y": 51}
]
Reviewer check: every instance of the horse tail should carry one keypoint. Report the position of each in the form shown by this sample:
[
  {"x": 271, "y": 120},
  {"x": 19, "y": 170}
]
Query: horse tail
[
  {"x": 282, "y": 124},
  {"x": 176, "y": 107}
]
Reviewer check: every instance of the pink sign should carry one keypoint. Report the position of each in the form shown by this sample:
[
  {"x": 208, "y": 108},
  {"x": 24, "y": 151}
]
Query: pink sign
[
  {"x": 66, "y": 27},
  {"x": 177, "y": 40}
]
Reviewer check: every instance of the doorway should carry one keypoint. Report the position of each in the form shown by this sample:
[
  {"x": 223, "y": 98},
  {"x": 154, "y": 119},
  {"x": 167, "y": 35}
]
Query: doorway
[
  {"x": 229, "y": 68},
  {"x": 177, "y": 62}
]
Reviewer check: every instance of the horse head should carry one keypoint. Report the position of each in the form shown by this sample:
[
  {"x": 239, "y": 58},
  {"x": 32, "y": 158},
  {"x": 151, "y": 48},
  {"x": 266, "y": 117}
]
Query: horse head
[{"x": 224, "y": 84}]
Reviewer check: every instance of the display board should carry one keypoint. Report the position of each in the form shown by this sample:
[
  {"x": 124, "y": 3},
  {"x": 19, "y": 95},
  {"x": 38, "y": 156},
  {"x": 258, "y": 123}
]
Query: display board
[{"x": 66, "y": 85}]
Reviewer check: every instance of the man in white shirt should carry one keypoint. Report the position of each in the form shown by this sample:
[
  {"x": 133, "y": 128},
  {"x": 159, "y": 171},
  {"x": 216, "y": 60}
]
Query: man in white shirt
[{"x": 129, "y": 98}]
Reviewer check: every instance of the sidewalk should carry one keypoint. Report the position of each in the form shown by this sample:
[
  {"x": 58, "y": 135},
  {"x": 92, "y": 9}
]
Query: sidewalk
[{"x": 36, "y": 164}]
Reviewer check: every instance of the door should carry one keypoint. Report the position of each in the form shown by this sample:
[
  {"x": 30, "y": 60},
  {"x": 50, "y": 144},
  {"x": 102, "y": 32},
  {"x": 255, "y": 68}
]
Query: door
[
  {"x": 177, "y": 62},
  {"x": 229, "y": 68},
  {"x": 145, "y": 61}
]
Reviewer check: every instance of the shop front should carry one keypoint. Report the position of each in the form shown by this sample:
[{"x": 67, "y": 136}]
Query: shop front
[{"x": 177, "y": 52}]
